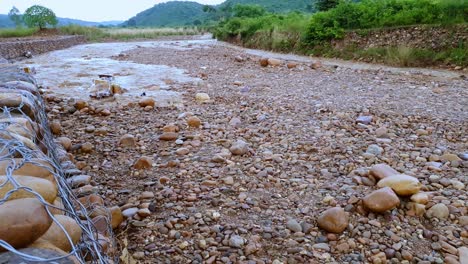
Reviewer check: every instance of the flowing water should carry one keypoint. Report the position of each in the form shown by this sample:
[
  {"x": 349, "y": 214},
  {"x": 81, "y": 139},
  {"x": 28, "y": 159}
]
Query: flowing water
[{"x": 71, "y": 72}]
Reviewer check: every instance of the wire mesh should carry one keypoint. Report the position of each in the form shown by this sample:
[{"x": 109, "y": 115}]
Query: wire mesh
[{"x": 27, "y": 148}]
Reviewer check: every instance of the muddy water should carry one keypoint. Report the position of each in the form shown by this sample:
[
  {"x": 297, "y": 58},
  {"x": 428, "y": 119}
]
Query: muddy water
[{"x": 71, "y": 72}]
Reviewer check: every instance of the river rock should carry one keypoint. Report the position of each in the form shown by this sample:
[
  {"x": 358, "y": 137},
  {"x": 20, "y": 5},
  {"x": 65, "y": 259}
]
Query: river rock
[
  {"x": 236, "y": 241},
  {"x": 143, "y": 162},
  {"x": 87, "y": 147},
  {"x": 366, "y": 120},
  {"x": 46, "y": 188},
  {"x": 144, "y": 102},
  {"x": 380, "y": 171},
  {"x": 263, "y": 62},
  {"x": 240, "y": 147},
  {"x": 202, "y": 97},
  {"x": 291, "y": 65},
  {"x": 127, "y": 141},
  {"x": 56, "y": 235},
  {"x": 194, "y": 121},
  {"x": 463, "y": 255},
  {"x": 402, "y": 184},
  {"x": 274, "y": 62},
  {"x": 420, "y": 198},
  {"x": 23, "y": 221},
  {"x": 374, "y": 150},
  {"x": 65, "y": 142},
  {"x": 293, "y": 225},
  {"x": 439, "y": 211},
  {"x": 381, "y": 200},
  {"x": 116, "y": 216},
  {"x": 334, "y": 220},
  {"x": 169, "y": 136},
  {"x": 56, "y": 127}
]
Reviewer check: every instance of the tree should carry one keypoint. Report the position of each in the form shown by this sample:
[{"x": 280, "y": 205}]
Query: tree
[
  {"x": 39, "y": 16},
  {"x": 324, "y": 5},
  {"x": 248, "y": 11},
  {"x": 15, "y": 16}
]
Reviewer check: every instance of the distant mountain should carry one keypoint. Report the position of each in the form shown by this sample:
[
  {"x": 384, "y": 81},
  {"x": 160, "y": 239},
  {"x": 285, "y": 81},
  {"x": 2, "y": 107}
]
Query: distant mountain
[
  {"x": 174, "y": 13},
  {"x": 182, "y": 13},
  {"x": 6, "y": 22}
]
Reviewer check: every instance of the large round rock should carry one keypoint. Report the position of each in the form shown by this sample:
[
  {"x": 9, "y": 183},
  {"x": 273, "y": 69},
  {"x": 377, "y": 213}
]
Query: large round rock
[
  {"x": 381, "y": 200},
  {"x": 334, "y": 220},
  {"x": 23, "y": 221},
  {"x": 402, "y": 184}
]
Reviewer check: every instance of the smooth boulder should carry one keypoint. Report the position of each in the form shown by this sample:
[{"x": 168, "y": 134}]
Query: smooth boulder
[
  {"x": 381, "y": 171},
  {"x": 46, "y": 188},
  {"x": 21, "y": 227},
  {"x": 402, "y": 184},
  {"x": 57, "y": 236},
  {"x": 381, "y": 200},
  {"x": 334, "y": 220}
]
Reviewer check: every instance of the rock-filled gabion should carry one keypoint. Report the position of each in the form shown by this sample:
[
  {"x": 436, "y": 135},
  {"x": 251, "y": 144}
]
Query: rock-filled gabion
[{"x": 49, "y": 212}]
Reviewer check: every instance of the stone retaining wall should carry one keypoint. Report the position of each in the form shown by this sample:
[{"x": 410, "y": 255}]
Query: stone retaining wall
[
  {"x": 17, "y": 48},
  {"x": 48, "y": 208},
  {"x": 425, "y": 37}
]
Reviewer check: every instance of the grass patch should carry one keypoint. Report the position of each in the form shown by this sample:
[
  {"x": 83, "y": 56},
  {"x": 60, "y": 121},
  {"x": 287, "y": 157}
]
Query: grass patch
[
  {"x": 100, "y": 34},
  {"x": 17, "y": 32}
]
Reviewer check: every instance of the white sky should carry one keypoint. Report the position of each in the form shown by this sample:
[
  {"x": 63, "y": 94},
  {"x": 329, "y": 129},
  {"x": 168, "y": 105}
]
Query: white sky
[{"x": 91, "y": 10}]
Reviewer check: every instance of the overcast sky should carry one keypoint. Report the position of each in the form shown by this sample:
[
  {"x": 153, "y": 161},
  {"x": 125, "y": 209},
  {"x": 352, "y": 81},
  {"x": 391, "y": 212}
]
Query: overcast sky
[{"x": 91, "y": 10}]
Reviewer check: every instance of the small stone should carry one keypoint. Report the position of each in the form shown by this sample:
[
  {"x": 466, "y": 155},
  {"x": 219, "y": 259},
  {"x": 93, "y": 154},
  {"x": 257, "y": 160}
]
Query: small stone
[
  {"x": 202, "y": 97},
  {"x": 366, "y": 120},
  {"x": 139, "y": 255},
  {"x": 169, "y": 136},
  {"x": 65, "y": 142},
  {"x": 402, "y": 184},
  {"x": 439, "y": 211},
  {"x": 80, "y": 104},
  {"x": 90, "y": 129},
  {"x": 171, "y": 128},
  {"x": 240, "y": 147},
  {"x": 264, "y": 62},
  {"x": 130, "y": 212},
  {"x": 316, "y": 65},
  {"x": 420, "y": 198},
  {"x": 127, "y": 141},
  {"x": 463, "y": 255},
  {"x": 144, "y": 102},
  {"x": 334, "y": 220},
  {"x": 145, "y": 212},
  {"x": 56, "y": 127},
  {"x": 194, "y": 121},
  {"x": 116, "y": 216},
  {"x": 228, "y": 180},
  {"x": 87, "y": 147},
  {"x": 291, "y": 65},
  {"x": 294, "y": 226},
  {"x": 143, "y": 162},
  {"x": 380, "y": 171},
  {"x": 274, "y": 62},
  {"x": 375, "y": 150},
  {"x": 463, "y": 220},
  {"x": 183, "y": 245},
  {"x": 182, "y": 151},
  {"x": 236, "y": 241},
  {"x": 382, "y": 200},
  {"x": 238, "y": 59},
  {"x": 381, "y": 132},
  {"x": 450, "y": 158},
  {"x": 322, "y": 246}
]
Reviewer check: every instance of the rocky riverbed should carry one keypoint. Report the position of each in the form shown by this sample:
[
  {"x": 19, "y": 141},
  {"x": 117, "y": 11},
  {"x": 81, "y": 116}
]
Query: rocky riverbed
[{"x": 252, "y": 165}]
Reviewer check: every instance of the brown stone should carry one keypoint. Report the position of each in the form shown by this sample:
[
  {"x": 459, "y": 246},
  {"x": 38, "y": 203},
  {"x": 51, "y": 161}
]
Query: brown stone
[
  {"x": 291, "y": 65},
  {"x": 80, "y": 104},
  {"x": 420, "y": 198},
  {"x": 65, "y": 142},
  {"x": 169, "y": 136},
  {"x": 56, "y": 235},
  {"x": 91, "y": 201},
  {"x": 87, "y": 147},
  {"x": 402, "y": 184},
  {"x": 46, "y": 188},
  {"x": 127, "y": 141},
  {"x": 147, "y": 102},
  {"x": 264, "y": 62},
  {"x": 380, "y": 171},
  {"x": 143, "y": 162},
  {"x": 116, "y": 216},
  {"x": 56, "y": 127},
  {"x": 274, "y": 62},
  {"x": 381, "y": 200},
  {"x": 171, "y": 128},
  {"x": 23, "y": 221},
  {"x": 334, "y": 220},
  {"x": 194, "y": 121}
]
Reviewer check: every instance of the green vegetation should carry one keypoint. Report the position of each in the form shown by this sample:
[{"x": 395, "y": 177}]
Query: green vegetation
[
  {"x": 102, "y": 34},
  {"x": 17, "y": 32},
  {"x": 15, "y": 16},
  {"x": 313, "y": 33},
  {"x": 183, "y": 13},
  {"x": 39, "y": 16}
]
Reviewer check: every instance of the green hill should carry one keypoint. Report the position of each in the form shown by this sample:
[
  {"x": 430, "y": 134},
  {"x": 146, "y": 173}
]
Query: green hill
[
  {"x": 182, "y": 13},
  {"x": 169, "y": 14}
]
